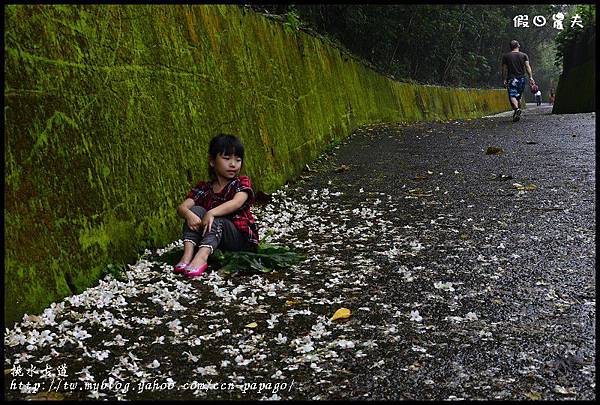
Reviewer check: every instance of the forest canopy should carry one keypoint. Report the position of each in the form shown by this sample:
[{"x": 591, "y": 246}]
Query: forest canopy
[{"x": 443, "y": 44}]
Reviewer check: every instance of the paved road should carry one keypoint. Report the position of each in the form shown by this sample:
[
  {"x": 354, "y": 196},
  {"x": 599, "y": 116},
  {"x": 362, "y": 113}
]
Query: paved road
[
  {"x": 469, "y": 275},
  {"x": 522, "y": 261}
]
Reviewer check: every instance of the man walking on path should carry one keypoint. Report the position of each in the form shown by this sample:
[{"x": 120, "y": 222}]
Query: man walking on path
[{"x": 514, "y": 65}]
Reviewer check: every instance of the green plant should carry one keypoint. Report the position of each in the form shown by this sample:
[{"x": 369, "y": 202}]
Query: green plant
[
  {"x": 292, "y": 21},
  {"x": 571, "y": 35},
  {"x": 267, "y": 258},
  {"x": 116, "y": 271}
]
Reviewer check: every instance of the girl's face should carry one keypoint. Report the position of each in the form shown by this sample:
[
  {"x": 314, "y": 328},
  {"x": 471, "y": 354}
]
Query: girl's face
[{"x": 227, "y": 166}]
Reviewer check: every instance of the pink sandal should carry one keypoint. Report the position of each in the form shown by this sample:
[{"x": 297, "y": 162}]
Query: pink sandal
[
  {"x": 195, "y": 271},
  {"x": 180, "y": 267}
]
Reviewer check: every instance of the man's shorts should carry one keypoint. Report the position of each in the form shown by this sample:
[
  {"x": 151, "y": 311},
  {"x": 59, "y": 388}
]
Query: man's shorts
[{"x": 516, "y": 86}]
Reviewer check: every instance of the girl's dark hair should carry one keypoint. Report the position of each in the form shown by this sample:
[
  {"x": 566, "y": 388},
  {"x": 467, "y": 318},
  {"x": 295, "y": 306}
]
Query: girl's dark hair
[{"x": 224, "y": 144}]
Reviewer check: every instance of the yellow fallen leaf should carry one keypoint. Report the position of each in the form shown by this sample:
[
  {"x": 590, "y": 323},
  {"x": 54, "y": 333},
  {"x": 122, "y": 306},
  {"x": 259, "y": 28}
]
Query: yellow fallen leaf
[
  {"x": 34, "y": 318},
  {"x": 494, "y": 150},
  {"x": 519, "y": 186},
  {"x": 341, "y": 313},
  {"x": 534, "y": 395},
  {"x": 342, "y": 168},
  {"x": 292, "y": 302},
  {"x": 251, "y": 325}
]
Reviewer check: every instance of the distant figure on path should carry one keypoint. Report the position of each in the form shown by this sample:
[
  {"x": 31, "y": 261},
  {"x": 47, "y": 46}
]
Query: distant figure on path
[
  {"x": 551, "y": 98},
  {"x": 218, "y": 213},
  {"x": 514, "y": 66},
  {"x": 538, "y": 97}
]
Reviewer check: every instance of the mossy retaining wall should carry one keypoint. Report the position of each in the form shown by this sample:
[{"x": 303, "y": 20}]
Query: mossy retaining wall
[{"x": 109, "y": 109}]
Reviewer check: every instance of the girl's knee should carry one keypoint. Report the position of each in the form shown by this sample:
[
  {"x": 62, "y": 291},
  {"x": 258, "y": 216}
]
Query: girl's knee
[{"x": 198, "y": 210}]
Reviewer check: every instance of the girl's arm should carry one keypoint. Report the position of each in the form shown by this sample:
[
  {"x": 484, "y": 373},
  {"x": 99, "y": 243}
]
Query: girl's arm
[
  {"x": 193, "y": 221},
  {"x": 184, "y": 208},
  {"x": 224, "y": 209},
  {"x": 230, "y": 206}
]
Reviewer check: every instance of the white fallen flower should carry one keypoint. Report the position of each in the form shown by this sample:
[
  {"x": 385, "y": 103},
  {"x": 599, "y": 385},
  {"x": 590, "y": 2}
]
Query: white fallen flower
[
  {"x": 443, "y": 286},
  {"x": 160, "y": 340},
  {"x": 416, "y": 245},
  {"x": 308, "y": 347},
  {"x": 414, "y": 316},
  {"x": 241, "y": 361},
  {"x": 191, "y": 357},
  {"x": 271, "y": 322},
  {"x": 80, "y": 333},
  {"x": 96, "y": 394},
  {"x": 100, "y": 355},
  {"x": 155, "y": 364},
  {"x": 208, "y": 370},
  {"x": 370, "y": 344},
  {"x": 281, "y": 339},
  {"x": 273, "y": 397},
  {"x": 345, "y": 344},
  {"x": 471, "y": 316},
  {"x": 120, "y": 341},
  {"x": 174, "y": 325},
  {"x": 45, "y": 337}
]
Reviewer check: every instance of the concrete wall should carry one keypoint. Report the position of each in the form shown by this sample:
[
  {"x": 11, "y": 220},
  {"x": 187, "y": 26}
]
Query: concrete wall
[{"x": 109, "y": 110}]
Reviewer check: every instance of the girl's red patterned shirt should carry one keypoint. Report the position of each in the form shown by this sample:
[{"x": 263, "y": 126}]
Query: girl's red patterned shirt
[{"x": 203, "y": 195}]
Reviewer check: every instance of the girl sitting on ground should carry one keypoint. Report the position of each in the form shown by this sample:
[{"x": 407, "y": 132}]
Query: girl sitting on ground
[{"x": 218, "y": 213}]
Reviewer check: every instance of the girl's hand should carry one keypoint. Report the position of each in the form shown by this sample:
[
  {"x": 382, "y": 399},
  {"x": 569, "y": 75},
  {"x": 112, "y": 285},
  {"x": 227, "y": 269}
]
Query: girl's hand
[
  {"x": 208, "y": 221},
  {"x": 193, "y": 221}
]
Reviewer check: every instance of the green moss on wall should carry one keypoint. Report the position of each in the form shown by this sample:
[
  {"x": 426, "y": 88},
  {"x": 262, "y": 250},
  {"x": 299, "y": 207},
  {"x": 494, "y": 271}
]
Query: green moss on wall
[{"x": 109, "y": 110}]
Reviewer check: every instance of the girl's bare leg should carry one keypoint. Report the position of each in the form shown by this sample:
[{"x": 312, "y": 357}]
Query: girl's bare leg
[
  {"x": 188, "y": 252},
  {"x": 201, "y": 257}
]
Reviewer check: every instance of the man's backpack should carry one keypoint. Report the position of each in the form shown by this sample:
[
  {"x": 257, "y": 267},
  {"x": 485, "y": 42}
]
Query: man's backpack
[{"x": 534, "y": 88}]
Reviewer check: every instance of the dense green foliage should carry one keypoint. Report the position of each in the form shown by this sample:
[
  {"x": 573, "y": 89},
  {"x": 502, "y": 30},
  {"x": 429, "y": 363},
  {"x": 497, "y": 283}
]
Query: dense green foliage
[
  {"x": 456, "y": 45},
  {"x": 576, "y": 48},
  {"x": 572, "y": 35}
]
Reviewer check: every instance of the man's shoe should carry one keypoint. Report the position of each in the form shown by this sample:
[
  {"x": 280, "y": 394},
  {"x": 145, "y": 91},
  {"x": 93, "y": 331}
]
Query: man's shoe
[
  {"x": 517, "y": 115},
  {"x": 195, "y": 272}
]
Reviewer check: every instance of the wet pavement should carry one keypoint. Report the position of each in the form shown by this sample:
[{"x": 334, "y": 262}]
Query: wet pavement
[{"x": 465, "y": 252}]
